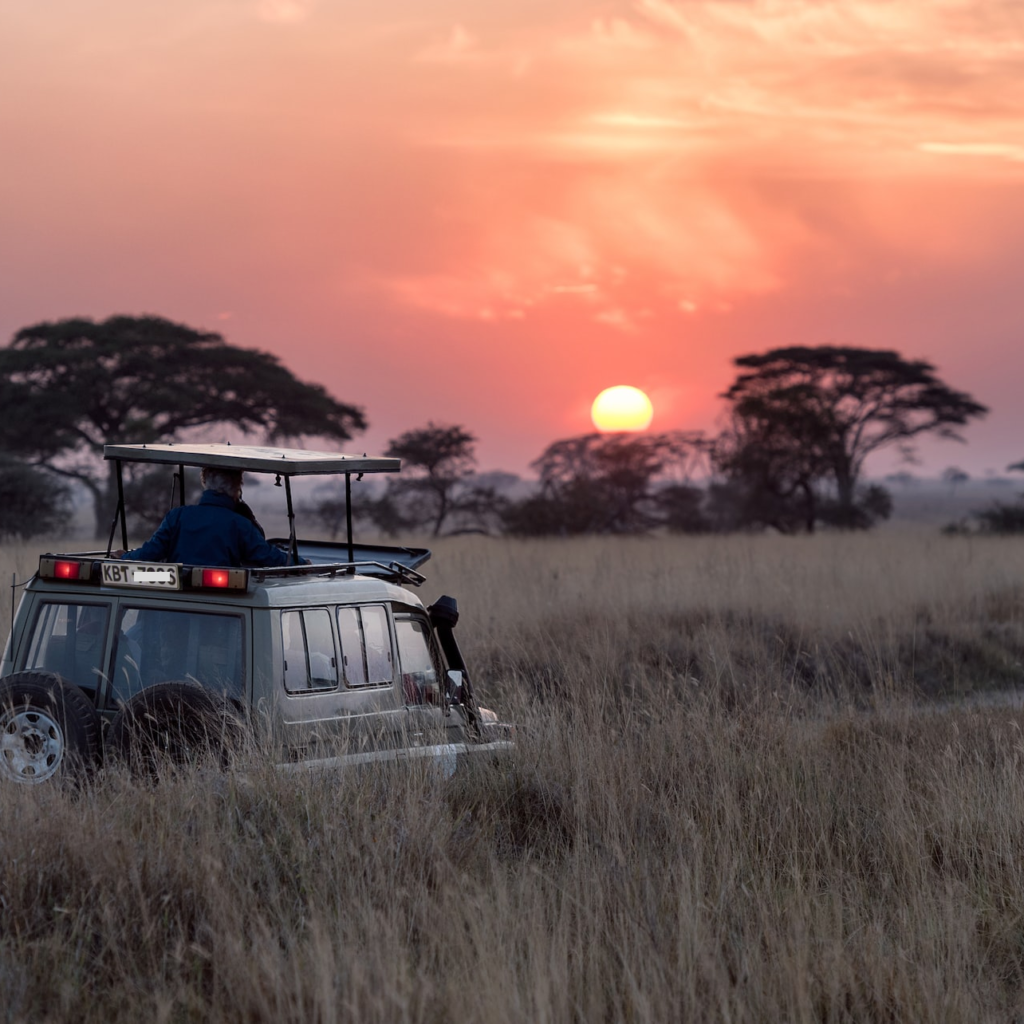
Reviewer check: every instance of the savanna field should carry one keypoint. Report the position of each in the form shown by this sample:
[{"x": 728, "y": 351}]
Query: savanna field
[{"x": 757, "y": 779}]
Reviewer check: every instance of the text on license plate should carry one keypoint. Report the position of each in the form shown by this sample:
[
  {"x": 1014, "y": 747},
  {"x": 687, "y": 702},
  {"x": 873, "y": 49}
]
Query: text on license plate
[{"x": 139, "y": 574}]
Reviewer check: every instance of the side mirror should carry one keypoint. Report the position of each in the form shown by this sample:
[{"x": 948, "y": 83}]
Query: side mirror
[{"x": 455, "y": 685}]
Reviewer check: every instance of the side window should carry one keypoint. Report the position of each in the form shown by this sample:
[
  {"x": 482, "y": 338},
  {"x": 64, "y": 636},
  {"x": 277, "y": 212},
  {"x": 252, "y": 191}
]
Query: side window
[
  {"x": 419, "y": 679},
  {"x": 155, "y": 645},
  {"x": 377, "y": 637},
  {"x": 310, "y": 662},
  {"x": 69, "y": 640},
  {"x": 365, "y": 645}
]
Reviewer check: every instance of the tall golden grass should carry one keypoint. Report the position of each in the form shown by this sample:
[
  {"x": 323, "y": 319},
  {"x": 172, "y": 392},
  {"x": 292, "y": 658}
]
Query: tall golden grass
[
  {"x": 733, "y": 799},
  {"x": 857, "y": 614}
]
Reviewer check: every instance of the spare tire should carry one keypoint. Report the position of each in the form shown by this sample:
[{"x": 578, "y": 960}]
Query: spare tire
[
  {"x": 48, "y": 729},
  {"x": 179, "y": 723}
]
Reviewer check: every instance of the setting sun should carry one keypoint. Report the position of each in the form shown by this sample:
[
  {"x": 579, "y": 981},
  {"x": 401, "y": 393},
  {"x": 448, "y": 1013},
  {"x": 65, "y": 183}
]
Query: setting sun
[{"x": 622, "y": 408}]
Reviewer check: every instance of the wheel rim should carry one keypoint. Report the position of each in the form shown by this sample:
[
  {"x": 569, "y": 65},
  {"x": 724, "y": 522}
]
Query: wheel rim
[{"x": 31, "y": 745}]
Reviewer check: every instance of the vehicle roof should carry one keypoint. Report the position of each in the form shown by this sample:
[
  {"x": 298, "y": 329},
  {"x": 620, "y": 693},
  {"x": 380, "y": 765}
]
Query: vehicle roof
[
  {"x": 319, "y": 590},
  {"x": 252, "y": 458},
  {"x": 270, "y": 593}
]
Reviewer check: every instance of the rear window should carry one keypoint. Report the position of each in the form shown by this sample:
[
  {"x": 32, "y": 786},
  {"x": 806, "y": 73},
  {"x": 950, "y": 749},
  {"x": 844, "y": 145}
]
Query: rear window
[
  {"x": 155, "y": 645},
  {"x": 69, "y": 640}
]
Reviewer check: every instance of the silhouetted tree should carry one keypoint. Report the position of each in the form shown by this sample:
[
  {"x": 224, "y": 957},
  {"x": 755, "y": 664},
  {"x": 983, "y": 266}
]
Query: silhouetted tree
[
  {"x": 437, "y": 485},
  {"x": 32, "y": 501},
  {"x": 329, "y": 511},
  {"x": 772, "y": 466},
  {"x": 682, "y": 508},
  {"x": 327, "y": 506},
  {"x": 954, "y": 476},
  {"x": 604, "y": 483},
  {"x": 69, "y": 387},
  {"x": 803, "y": 419},
  {"x": 871, "y": 505},
  {"x": 574, "y": 508}
]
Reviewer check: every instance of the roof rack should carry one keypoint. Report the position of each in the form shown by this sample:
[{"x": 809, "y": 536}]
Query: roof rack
[
  {"x": 252, "y": 458},
  {"x": 392, "y": 572},
  {"x": 283, "y": 462}
]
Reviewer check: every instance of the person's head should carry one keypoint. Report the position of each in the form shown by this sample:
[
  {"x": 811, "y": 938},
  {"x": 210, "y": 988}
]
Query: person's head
[{"x": 222, "y": 481}]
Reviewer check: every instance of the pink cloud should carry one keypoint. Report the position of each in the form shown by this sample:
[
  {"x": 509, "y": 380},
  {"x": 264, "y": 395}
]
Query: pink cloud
[
  {"x": 458, "y": 45},
  {"x": 285, "y": 11}
]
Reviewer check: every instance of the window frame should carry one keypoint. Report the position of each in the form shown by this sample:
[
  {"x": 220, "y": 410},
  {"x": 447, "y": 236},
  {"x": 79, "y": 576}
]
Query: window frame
[
  {"x": 310, "y": 691},
  {"x": 432, "y": 653},
  {"x": 100, "y": 677},
  {"x": 391, "y": 647}
]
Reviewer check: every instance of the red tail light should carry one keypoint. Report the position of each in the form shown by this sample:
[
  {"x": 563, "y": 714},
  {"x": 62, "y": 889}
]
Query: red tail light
[
  {"x": 51, "y": 568},
  {"x": 220, "y": 579}
]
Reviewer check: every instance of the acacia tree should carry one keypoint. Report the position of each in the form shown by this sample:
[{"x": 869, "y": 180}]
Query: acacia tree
[
  {"x": 802, "y": 417},
  {"x": 70, "y": 386},
  {"x": 436, "y": 483},
  {"x": 772, "y": 461},
  {"x": 954, "y": 476}
]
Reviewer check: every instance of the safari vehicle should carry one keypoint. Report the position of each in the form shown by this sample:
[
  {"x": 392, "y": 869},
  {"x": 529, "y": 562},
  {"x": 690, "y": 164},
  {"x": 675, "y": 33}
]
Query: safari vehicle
[{"x": 333, "y": 662}]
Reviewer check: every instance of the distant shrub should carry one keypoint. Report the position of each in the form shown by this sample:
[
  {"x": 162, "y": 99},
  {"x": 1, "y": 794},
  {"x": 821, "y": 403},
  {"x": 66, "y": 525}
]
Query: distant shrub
[
  {"x": 1000, "y": 518},
  {"x": 871, "y": 505}
]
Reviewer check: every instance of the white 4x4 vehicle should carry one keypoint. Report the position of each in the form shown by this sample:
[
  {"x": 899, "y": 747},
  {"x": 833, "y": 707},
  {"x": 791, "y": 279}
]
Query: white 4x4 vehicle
[{"x": 333, "y": 662}]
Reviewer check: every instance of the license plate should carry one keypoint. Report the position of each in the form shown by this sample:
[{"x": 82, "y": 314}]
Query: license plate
[{"x": 141, "y": 574}]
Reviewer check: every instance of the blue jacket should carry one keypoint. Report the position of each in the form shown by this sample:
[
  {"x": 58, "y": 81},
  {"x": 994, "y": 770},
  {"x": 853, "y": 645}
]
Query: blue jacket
[{"x": 210, "y": 533}]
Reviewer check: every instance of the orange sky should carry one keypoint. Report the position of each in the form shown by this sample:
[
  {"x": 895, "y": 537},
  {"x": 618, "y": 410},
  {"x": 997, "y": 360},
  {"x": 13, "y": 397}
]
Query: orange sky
[{"x": 486, "y": 214}]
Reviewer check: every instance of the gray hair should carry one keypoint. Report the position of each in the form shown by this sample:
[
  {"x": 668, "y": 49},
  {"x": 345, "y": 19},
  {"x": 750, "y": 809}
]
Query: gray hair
[{"x": 223, "y": 481}]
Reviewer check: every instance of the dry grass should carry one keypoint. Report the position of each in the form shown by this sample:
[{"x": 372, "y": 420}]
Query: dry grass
[
  {"x": 859, "y": 614},
  {"x": 726, "y": 805}
]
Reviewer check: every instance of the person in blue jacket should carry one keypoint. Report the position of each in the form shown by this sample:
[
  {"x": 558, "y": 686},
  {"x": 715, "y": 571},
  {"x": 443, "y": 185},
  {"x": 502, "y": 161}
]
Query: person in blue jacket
[{"x": 212, "y": 532}]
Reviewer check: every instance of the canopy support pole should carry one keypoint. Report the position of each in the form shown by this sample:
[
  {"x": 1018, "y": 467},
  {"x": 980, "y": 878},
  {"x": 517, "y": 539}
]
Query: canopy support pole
[
  {"x": 348, "y": 516},
  {"x": 118, "y": 512},
  {"x": 293, "y": 543}
]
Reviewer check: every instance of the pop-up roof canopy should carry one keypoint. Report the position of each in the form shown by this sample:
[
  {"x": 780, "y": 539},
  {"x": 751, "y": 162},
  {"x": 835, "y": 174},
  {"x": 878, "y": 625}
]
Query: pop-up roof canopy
[
  {"x": 252, "y": 458},
  {"x": 285, "y": 462}
]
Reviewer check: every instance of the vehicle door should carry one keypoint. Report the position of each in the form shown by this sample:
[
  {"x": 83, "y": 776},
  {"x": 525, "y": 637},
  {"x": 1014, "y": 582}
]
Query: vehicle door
[
  {"x": 339, "y": 692},
  {"x": 158, "y": 642},
  {"x": 420, "y": 673}
]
